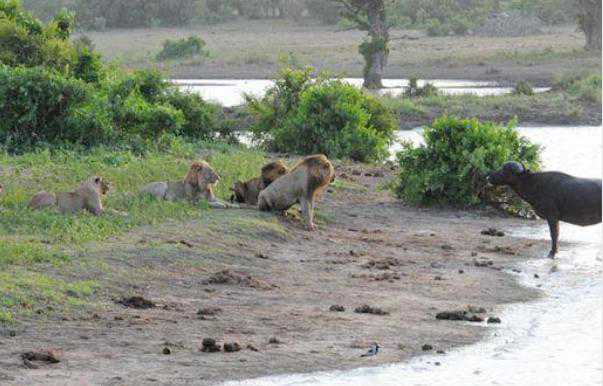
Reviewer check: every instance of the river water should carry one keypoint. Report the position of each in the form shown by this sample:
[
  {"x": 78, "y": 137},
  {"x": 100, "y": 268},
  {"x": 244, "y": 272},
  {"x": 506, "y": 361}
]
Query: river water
[
  {"x": 229, "y": 92},
  {"x": 556, "y": 340}
]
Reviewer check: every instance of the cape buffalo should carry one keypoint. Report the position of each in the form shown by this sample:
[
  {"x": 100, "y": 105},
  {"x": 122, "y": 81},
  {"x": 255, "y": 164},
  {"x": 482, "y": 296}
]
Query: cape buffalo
[{"x": 554, "y": 196}]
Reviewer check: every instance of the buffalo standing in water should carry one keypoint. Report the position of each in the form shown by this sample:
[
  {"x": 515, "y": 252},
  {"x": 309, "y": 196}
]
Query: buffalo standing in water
[{"x": 554, "y": 196}]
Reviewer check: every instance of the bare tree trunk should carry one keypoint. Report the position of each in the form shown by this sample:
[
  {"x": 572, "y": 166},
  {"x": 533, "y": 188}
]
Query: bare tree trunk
[
  {"x": 589, "y": 21},
  {"x": 376, "y": 50}
]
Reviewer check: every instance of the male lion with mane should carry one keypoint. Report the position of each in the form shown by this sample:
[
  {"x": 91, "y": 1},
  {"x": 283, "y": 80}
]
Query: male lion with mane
[
  {"x": 197, "y": 184},
  {"x": 302, "y": 185},
  {"x": 248, "y": 191}
]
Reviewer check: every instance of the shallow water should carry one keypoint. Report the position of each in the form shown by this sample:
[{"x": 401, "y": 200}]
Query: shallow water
[
  {"x": 229, "y": 92},
  {"x": 553, "y": 341}
]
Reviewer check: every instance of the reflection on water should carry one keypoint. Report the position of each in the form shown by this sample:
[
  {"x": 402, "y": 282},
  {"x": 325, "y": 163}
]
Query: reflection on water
[
  {"x": 550, "y": 342},
  {"x": 229, "y": 92}
]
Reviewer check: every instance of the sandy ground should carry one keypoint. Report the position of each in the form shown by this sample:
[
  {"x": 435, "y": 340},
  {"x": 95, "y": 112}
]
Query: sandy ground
[
  {"x": 369, "y": 249},
  {"x": 254, "y": 49}
]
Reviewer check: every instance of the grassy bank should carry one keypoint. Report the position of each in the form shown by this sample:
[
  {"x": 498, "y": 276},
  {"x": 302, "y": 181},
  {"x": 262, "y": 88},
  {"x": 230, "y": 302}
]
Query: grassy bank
[
  {"x": 241, "y": 50},
  {"x": 39, "y": 251},
  {"x": 574, "y": 101}
]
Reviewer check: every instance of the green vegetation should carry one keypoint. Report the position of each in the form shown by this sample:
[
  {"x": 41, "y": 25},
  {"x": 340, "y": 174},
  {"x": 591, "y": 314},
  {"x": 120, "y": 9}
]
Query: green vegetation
[
  {"x": 574, "y": 99},
  {"x": 35, "y": 245},
  {"x": 325, "y": 116},
  {"x": 190, "y": 47},
  {"x": 56, "y": 92},
  {"x": 450, "y": 167}
]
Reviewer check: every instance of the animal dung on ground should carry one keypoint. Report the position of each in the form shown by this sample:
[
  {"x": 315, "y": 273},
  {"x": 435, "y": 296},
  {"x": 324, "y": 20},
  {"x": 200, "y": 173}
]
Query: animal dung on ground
[
  {"x": 366, "y": 309},
  {"x": 32, "y": 359},
  {"x": 137, "y": 302},
  {"x": 493, "y": 232},
  {"x": 227, "y": 276},
  {"x": 337, "y": 308},
  {"x": 468, "y": 315},
  {"x": 209, "y": 345},
  {"x": 209, "y": 311},
  {"x": 232, "y": 347}
]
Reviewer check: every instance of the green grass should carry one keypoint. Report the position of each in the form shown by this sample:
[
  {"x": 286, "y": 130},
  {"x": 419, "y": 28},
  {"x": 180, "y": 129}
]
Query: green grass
[
  {"x": 37, "y": 248},
  {"x": 572, "y": 101}
]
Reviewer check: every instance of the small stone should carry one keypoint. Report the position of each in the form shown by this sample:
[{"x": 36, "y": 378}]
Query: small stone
[
  {"x": 209, "y": 345},
  {"x": 166, "y": 351},
  {"x": 536, "y": 276},
  {"x": 461, "y": 271},
  {"x": 337, "y": 308},
  {"x": 438, "y": 278},
  {"x": 493, "y": 319},
  {"x": 252, "y": 347},
  {"x": 427, "y": 347},
  {"x": 441, "y": 352},
  {"x": 447, "y": 247},
  {"x": 437, "y": 363}
]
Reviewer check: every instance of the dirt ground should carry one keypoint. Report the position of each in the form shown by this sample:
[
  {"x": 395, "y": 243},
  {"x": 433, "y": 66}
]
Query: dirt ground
[
  {"x": 281, "y": 281},
  {"x": 253, "y": 49}
]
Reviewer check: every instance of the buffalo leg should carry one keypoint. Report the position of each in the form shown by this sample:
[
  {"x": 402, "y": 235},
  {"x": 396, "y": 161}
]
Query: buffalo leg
[{"x": 554, "y": 229}]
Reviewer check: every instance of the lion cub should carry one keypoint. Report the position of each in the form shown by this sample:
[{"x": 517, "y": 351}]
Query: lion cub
[
  {"x": 87, "y": 196},
  {"x": 248, "y": 191},
  {"x": 197, "y": 184},
  {"x": 303, "y": 185}
]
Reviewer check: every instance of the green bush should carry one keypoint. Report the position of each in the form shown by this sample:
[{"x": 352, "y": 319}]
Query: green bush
[
  {"x": 585, "y": 87},
  {"x": 190, "y": 47},
  {"x": 324, "y": 116},
  {"x": 89, "y": 66},
  {"x": 202, "y": 120},
  {"x": 38, "y": 105},
  {"x": 450, "y": 167},
  {"x": 442, "y": 17},
  {"x": 523, "y": 88}
]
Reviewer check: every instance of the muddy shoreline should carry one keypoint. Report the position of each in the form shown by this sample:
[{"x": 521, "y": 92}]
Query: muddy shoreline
[{"x": 270, "y": 289}]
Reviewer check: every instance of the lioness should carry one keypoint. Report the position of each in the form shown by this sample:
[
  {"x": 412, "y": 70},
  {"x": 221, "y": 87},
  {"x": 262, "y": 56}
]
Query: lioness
[
  {"x": 248, "y": 191},
  {"x": 302, "y": 185},
  {"x": 197, "y": 184},
  {"x": 87, "y": 196}
]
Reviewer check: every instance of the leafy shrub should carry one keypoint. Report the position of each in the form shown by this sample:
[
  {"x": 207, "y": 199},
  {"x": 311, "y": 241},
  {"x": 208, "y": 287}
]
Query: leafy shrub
[
  {"x": 585, "y": 87},
  {"x": 89, "y": 66},
  {"x": 39, "y": 105},
  {"x": 134, "y": 13},
  {"x": 325, "y": 116},
  {"x": 26, "y": 41},
  {"x": 202, "y": 120},
  {"x": 450, "y": 167},
  {"x": 414, "y": 90},
  {"x": 183, "y": 48},
  {"x": 523, "y": 88}
]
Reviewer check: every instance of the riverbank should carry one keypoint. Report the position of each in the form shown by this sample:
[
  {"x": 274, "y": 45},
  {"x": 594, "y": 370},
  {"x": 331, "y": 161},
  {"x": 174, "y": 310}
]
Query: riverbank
[
  {"x": 247, "y": 277},
  {"x": 256, "y": 49}
]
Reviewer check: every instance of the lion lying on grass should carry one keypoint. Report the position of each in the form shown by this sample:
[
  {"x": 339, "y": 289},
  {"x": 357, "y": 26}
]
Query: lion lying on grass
[
  {"x": 247, "y": 192},
  {"x": 197, "y": 184},
  {"x": 302, "y": 185},
  {"x": 87, "y": 196}
]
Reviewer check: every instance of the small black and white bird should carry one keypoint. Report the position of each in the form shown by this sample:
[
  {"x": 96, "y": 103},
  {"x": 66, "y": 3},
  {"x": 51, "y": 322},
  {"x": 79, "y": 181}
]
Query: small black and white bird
[{"x": 374, "y": 350}]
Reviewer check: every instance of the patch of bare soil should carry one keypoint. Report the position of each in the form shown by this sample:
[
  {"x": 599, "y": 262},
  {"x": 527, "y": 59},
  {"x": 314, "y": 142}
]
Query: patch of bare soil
[{"x": 371, "y": 254}]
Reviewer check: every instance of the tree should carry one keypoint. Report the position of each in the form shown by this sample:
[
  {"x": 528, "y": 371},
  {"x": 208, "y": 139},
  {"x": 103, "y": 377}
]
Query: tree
[
  {"x": 589, "y": 21},
  {"x": 369, "y": 15}
]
